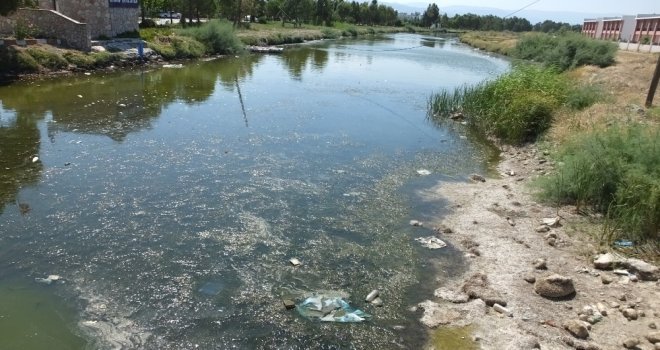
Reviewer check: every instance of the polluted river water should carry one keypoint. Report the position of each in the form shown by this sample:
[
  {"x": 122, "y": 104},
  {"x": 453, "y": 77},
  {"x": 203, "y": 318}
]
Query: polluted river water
[{"x": 169, "y": 201}]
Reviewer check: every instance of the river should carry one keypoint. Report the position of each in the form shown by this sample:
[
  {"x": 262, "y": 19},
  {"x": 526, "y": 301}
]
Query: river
[{"x": 170, "y": 200}]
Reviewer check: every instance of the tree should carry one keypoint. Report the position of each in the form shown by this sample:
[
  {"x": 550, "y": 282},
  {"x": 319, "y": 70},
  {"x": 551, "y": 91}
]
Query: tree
[
  {"x": 8, "y": 7},
  {"x": 431, "y": 15}
]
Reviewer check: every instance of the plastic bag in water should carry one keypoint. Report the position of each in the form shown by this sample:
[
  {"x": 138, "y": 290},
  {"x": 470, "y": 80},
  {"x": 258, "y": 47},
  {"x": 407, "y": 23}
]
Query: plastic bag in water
[{"x": 330, "y": 309}]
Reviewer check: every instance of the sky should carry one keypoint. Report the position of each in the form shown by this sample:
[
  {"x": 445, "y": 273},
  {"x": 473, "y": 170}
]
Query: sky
[{"x": 623, "y": 7}]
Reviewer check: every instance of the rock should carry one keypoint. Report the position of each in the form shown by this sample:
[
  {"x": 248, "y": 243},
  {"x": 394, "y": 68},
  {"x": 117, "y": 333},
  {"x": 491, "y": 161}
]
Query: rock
[
  {"x": 630, "y": 314},
  {"x": 372, "y": 295},
  {"x": 594, "y": 319},
  {"x": 653, "y": 325},
  {"x": 476, "y": 287},
  {"x": 552, "y": 222},
  {"x": 606, "y": 279},
  {"x": 431, "y": 242},
  {"x": 576, "y": 328},
  {"x": 634, "y": 278},
  {"x": 510, "y": 221},
  {"x": 554, "y": 286},
  {"x": 631, "y": 343},
  {"x": 614, "y": 305},
  {"x": 551, "y": 241},
  {"x": 530, "y": 279},
  {"x": 416, "y": 223},
  {"x": 477, "y": 178},
  {"x": 580, "y": 345},
  {"x": 644, "y": 270},
  {"x": 588, "y": 310},
  {"x": 501, "y": 309},
  {"x": 98, "y": 48},
  {"x": 540, "y": 264},
  {"x": 605, "y": 261},
  {"x": 602, "y": 309},
  {"x": 542, "y": 229},
  {"x": 451, "y": 296},
  {"x": 377, "y": 302},
  {"x": 551, "y": 235},
  {"x": 289, "y": 304},
  {"x": 436, "y": 315},
  {"x": 653, "y": 337},
  {"x": 657, "y": 346}
]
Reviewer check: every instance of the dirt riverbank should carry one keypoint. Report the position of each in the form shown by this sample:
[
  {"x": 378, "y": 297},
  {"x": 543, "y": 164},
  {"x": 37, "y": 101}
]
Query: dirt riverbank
[{"x": 498, "y": 225}]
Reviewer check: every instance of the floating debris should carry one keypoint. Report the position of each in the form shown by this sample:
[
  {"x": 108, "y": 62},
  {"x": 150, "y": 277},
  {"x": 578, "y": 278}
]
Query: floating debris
[
  {"x": 265, "y": 49},
  {"x": 179, "y": 65},
  {"x": 423, "y": 172},
  {"x": 431, "y": 242},
  {"x": 48, "y": 280},
  {"x": 551, "y": 222},
  {"x": 330, "y": 309},
  {"x": 416, "y": 223},
  {"x": 295, "y": 262},
  {"x": 372, "y": 295},
  {"x": 35, "y": 159}
]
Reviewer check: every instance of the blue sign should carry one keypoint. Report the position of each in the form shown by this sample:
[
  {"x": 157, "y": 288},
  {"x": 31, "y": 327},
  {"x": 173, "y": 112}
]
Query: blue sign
[{"x": 123, "y": 3}]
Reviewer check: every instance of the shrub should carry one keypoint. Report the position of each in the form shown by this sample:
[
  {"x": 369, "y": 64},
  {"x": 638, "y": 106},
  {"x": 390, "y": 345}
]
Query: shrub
[
  {"x": 218, "y": 37},
  {"x": 91, "y": 60},
  {"x": 148, "y": 23},
  {"x": 615, "y": 171},
  {"x": 14, "y": 60},
  {"x": 48, "y": 59},
  {"x": 174, "y": 46},
  {"x": 350, "y": 31},
  {"x": 329, "y": 33},
  {"x": 581, "y": 97},
  {"x": 565, "y": 51},
  {"x": 516, "y": 107}
]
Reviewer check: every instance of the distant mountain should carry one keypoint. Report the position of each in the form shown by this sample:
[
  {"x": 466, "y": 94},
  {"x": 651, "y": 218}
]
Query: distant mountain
[{"x": 534, "y": 16}]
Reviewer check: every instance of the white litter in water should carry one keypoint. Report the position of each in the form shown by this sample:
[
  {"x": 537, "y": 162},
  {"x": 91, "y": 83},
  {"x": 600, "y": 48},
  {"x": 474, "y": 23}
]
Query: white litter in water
[
  {"x": 35, "y": 159},
  {"x": 423, "y": 172},
  {"x": 431, "y": 242}
]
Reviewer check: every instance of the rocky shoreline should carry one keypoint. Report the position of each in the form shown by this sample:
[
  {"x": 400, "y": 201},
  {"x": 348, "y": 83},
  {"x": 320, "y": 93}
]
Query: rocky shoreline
[{"x": 532, "y": 281}]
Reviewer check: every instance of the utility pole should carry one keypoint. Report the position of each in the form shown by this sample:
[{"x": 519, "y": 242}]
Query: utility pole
[{"x": 654, "y": 84}]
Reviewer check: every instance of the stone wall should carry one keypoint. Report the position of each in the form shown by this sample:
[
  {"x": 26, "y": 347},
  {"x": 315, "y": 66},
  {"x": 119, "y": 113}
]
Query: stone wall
[
  {"x": 49, "y": 24},
  {"x": 123, "y": 20}
]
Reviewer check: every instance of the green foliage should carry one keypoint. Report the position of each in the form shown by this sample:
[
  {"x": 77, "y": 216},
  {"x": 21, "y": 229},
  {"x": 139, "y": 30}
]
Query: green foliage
[
  {"x": 148, "y": 23},
  {"x": 329, "y": 33},
  {"x": 90, "y": 60},
  {"x": 516, "y": 107},
  {"x": 217, "y": 36},
  {"x": 178, "y": 47},
  {"x": 9, "y": 6},
  {"x": 14, "y": 60},
  {"x": 46, "y": 58},
  {"x": 565, "y": 51},
  {"x": 25, "y": 30},
  {"x": 350, "y": 31},
  {"x": 581, "y": 97},
  {"x": 615, "y": 171}
]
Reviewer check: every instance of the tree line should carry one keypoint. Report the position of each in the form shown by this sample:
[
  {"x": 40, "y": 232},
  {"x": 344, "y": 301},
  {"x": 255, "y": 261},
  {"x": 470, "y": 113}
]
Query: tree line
[
  {"x": 321, "y": 12},
  {"x": 472, "y": 21}
]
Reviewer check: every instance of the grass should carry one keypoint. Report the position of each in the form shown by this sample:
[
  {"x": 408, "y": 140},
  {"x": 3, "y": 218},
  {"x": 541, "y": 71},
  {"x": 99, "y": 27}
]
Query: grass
[
  {"x": 217, "y": 37},
  {"x": 516, "y": 107},
  {"x": 615, "y": 171},
  {"x": 42, "y": 58},
  {"x": 497, "y": 42},
  {"x": 564, "y": 51}
]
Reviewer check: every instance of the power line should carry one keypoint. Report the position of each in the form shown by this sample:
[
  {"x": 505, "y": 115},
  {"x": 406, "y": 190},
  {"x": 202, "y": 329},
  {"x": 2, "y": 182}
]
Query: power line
[{"x": 520, "y": 9}]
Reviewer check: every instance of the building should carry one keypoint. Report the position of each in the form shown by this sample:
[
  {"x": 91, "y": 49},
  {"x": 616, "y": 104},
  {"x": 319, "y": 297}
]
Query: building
[
  {"x": 640, "y": 28},
  {"x": 77, "y": 21},
  {"x": 647, "y": 29}
]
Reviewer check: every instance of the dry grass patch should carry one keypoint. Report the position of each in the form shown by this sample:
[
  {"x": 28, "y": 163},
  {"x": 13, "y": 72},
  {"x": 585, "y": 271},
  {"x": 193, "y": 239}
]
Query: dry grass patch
[{"x": 498, "y": 42}]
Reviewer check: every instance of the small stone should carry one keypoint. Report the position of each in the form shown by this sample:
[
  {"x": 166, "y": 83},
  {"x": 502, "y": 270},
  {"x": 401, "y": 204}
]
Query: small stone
[
  {"x": 653, "y": 337},
  {"x": 552, "y": 222},
  {"x": 576, "y": 328},
  {"x": 594, "y": 319},
  {"x": 604, "y": 261},
  {"x": 630, "y": 314},
  {"x": 289, "y": 304},
  {"x": 540, "y": 264},
  {"x": 588, "y": 310},
  {"x": 554, "y": 286},
  {"x": 552, "y": 241},
  {"x": 606, "y": 279},
  {"x": 477, "y": 178},
  {"x": 377, "y": 302},
  {"x": 510, "y": 221},
  {"x": 631, "y": 343},
  {"x": 416, "y": 223},
  {"x": 602, "y": 309},
  {"x": 583, "y": 317},
  {"x": 551, "y": 235},
  {"x": 614, "y": 305},
  {"x": 657, "y": 346},
  {"x": 623, "y": 297},
  {"x": 529, "y": 279},
  {"x": 634, "y": 278},
  {"x": 501, "y": 309},
  {"x": 653, "y": 325},
  {"x": 542, "y": 229}
]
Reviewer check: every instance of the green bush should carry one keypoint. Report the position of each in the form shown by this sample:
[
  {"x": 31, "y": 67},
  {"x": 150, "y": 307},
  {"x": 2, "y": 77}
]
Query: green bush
[
  {"x": 582, "y": 97},
  {"x": 48, "y": 59},
  {"x": 14, "y": 60},
  {"x": 617, "y": 172},
  {"x": 516, "y": 107},
  {"x": 148, "y": 23},
  {"x": 329, "y": 33},
  {"x": 218, "y": 37},
  {"x": 564, "y": 51},
  {"x": 350, "y": 31}
]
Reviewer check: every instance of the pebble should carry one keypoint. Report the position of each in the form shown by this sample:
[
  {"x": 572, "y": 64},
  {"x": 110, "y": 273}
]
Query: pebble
[
  {"x": 576, "y": 328},
  {"x": 501, "y": 309},
  {"x": 614, "y": 305},
  {"x": 606, "y": 279},
  {"x": 540, "y": 264},
  {"x": 653, "y": 325},
  {"x": 477, "y": 178},
  {"x": 377, "y": 302},
  {"x": 289, "y": 304},
  {"x": 551, "y": 235},
  {"x": 602, "y": 309},
  {"x": 631, "y": 343},
  {"x": 529, "y": 279},
  {"x": 542, "y": 229},
  {"x": 552, "y": 241},
  {"x": 653, "y": 337},
  {"x": 630, "y": 314}
]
